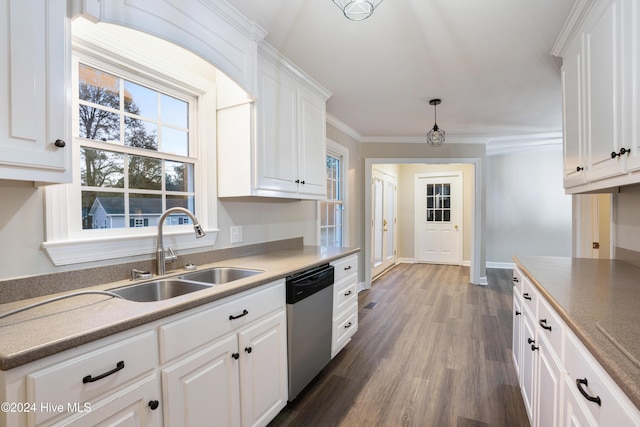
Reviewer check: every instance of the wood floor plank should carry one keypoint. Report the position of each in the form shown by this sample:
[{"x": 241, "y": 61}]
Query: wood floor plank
[{"x": 434, "y": 351}]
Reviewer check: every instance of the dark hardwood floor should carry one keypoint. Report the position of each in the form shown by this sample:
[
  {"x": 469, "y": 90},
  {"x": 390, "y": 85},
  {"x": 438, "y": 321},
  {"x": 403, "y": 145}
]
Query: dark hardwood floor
[{"x": 434, "y": 351}]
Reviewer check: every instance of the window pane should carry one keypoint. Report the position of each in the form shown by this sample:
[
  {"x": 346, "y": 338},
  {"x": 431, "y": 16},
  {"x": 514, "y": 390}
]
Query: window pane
[
  {"x": 174, "y": 111},
  {"x": 102, "y": 210},
  {"x": 186, "y": 202},
  {"x": 174, "y": 141},
  {"x": 178, "y": 176},
  {"x": 140, "y": 134},
  {"x": 96, "y": 123},
  {"x": 140, "y": 100},
  {"x": 100, "y": 168},
  {"x": 145, "y": 173},
  {"x": 98, "y": 87},
  {"x": 447, "y": 215},
  {"x": 145, "y": 206}
]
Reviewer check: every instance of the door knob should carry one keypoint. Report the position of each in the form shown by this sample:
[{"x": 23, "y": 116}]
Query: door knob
[{"x": 456, "y": 226}]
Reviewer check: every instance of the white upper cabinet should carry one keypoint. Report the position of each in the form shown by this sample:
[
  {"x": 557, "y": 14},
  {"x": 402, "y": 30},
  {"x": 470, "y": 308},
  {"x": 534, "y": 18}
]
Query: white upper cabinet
[
  {"x": 602, "y": 71},
  {"x": 277, "y": 146},
  {"x": 574, "y": 158},
  {"x": 35, "y": 123},
  {"x": 600, "y": 103}
]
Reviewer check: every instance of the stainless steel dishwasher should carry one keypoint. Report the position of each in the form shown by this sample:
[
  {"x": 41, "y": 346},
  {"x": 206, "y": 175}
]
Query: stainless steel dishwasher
[{"x": 309, "y": 313}]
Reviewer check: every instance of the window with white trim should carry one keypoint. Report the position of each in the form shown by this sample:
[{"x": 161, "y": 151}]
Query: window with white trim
[
  {"x": 143, "y": 132},
  {"x": 134, "y": 140},
  {"x": 332, "y": 209}
]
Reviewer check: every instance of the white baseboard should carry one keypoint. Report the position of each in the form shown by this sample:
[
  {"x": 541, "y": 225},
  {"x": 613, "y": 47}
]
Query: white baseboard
[
  {"x": 405, "y": 261},
  {"x": 503, "y": 265},
  {"x": 466, "y": 263},
  {"x": 483, "y": 281}
]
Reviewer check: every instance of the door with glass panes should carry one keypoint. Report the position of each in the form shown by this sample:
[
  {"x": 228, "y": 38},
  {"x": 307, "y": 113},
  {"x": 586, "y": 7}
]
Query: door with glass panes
[{"x": 438, "y": 202}]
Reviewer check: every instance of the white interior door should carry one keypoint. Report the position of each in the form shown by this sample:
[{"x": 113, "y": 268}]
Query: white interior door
[
  {"x": 438, "y": 202},
  {"x": 383, "y": 224}
]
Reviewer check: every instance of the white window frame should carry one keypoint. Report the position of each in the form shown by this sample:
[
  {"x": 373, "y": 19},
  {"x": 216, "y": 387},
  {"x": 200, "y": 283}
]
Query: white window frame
[
  {"x": 333, "y": 148},
  {"x": 66, "y": 243}
]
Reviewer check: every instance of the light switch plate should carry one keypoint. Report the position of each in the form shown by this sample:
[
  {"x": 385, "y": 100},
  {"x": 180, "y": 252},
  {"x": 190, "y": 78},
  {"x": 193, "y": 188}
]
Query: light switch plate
[{"x": 236, "y": 233}]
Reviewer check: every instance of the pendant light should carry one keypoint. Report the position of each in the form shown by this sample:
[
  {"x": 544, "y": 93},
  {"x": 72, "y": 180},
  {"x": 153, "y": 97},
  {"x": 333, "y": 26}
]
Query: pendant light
[
  {"x": 435, "y": 137},
  {"x": 357, "y": 10}
]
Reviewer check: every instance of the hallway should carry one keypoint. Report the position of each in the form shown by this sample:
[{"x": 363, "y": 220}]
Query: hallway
[{"x": 434, "y": 351}]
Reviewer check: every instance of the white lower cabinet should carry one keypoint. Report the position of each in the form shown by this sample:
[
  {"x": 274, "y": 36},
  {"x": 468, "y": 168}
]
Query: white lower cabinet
[
  {"x": 130, "y": 406},
  {"x": 228, "y": 361},
  {"x": 204, "y": 384},
  {"x": 345, "y": 302},
  {"x": 222, "y": 364},
  {"x": 561, "y": 383},
  {"x": 263, "y": 369}
]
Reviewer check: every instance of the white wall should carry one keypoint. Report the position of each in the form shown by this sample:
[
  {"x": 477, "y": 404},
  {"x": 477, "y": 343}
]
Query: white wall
[{"x": 527, "y": 210}]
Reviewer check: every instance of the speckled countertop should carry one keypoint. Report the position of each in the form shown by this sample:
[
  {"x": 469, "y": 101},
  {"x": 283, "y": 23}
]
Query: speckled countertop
[
  {"x": 52, "y": 328},
  {"x": 599, "y": 300}
]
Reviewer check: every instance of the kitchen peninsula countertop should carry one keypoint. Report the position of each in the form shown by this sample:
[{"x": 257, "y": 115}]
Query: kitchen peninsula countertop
[
  {"x": 599, "y": 301},
  {"x": 61, "y": 325}
]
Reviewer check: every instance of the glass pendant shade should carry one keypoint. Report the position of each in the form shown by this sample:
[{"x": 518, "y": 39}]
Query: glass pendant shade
[
  {"x": 357, "y": 10},
  {"x": 435, "y": 137}
]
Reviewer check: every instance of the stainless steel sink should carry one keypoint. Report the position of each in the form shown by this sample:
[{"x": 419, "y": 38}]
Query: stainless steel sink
[
  {"x": 158, "y": 290},
  {"x": 220, "y": 275}
]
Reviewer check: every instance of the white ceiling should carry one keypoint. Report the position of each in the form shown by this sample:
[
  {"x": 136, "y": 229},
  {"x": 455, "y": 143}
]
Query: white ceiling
[{"x": 488, "y": 60}]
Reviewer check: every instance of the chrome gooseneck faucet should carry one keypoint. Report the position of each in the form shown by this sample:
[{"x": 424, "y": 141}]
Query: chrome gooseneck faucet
[{"x": 161, "y": 258}]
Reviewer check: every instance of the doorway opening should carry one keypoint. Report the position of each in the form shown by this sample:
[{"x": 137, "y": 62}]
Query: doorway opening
[{"x": 404, "y": 229}]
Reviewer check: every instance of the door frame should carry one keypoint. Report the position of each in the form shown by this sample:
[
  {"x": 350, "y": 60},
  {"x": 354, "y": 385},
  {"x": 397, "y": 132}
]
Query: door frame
[
  {"x": 460, "y": 227},
  {"x": 389, "y": 178},
  {"x": 476, "y": 211}
]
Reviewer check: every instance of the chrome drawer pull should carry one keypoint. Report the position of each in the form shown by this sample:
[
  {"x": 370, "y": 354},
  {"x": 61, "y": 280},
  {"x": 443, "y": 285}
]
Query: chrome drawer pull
[
  {"x": 596, "y": 399},
  {"x": 90, "y": 379}
]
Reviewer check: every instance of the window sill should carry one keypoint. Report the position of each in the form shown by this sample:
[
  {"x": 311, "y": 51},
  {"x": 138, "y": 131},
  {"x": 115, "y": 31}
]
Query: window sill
[{"x": 70, "y": 252}]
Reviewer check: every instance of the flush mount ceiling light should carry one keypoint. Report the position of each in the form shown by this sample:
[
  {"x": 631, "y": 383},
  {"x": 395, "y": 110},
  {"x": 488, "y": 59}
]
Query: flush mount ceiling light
[
  {"x": 357, "y": 10},
  {"x": 435, "y": 137}
]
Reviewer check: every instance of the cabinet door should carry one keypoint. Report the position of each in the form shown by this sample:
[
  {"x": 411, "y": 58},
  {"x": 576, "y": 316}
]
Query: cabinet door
[
  {"x": 277, "y": 153},
  {"x": 131, "y": 406},
  {"x": 312, "y": 145},
  {"x": 263, "y": 364},
  {"x": 529, "y": 373},
  {"x": 603, "y": 92},
  {"x": 572, "y": 105},
  {"x": 204, "y": 385},
  {"x": 549, "y": 384},
  {"x": 517, "y": 333},
  {"x": 34, "y": 51}
]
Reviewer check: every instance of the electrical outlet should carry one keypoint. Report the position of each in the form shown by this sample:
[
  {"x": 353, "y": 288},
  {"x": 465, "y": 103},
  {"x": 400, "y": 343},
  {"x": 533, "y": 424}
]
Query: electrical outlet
[{"x": 236, "y": 233}]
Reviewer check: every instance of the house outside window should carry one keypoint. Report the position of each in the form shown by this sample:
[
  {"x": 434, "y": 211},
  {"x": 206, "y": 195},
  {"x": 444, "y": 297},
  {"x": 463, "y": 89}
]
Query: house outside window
[{"x": 332, "y": 210}]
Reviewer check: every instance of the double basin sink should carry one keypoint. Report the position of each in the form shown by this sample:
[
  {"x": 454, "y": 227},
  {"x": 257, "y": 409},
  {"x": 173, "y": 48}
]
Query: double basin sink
[{"x": 158, "y": 290}]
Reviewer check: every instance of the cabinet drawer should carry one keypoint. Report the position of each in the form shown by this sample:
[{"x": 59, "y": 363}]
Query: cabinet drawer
[
  {"x": 530, "y": 297},
  {"x": 518, "y": 281},
  {"x": 615, "y": 407},
  {"x": 190, "y": 332},
  {"x": 551, "y": 326},
  {"x": 345, "y": 266},
  {"x": 344, "y": 293},
  {"x": 344, "y": 327},
  {"x": 79, "y": 379}
]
